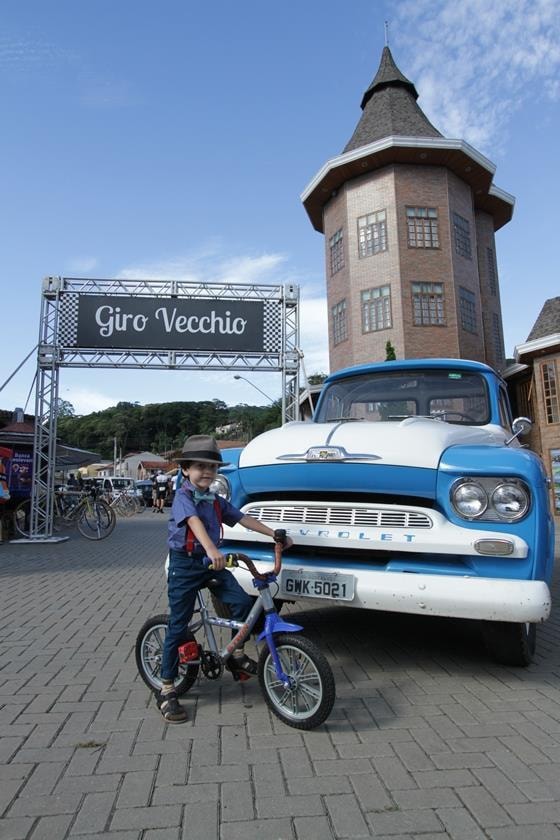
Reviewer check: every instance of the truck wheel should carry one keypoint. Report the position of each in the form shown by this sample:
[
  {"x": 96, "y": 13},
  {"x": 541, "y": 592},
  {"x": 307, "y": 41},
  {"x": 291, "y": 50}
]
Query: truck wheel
[{"x": 510, "y": 643}]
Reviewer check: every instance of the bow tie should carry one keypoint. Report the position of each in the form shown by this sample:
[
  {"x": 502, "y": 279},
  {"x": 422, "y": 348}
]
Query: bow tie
[{"x": 198, "y": 496}]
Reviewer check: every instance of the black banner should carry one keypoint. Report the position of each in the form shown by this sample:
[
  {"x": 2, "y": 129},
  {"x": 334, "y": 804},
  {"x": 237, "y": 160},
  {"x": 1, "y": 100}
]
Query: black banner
[{"x": 139, "y": 323}]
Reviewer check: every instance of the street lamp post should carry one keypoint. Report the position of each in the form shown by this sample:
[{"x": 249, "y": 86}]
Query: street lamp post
[
  {"x": 238, "y": 376},
  {"x": 260, "y": 390}
]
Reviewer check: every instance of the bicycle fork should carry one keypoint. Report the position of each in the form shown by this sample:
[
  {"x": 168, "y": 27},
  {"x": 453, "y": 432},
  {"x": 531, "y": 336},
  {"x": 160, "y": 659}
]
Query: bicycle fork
[{"x": 273, "y": 624}]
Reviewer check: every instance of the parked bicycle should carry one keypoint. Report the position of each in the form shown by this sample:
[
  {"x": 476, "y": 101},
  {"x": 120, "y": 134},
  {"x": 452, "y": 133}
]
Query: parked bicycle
[
  {"x": 93, "y": 517},
  {"x": 124, "y": 503},
  {"x": 294, "y": 675}
]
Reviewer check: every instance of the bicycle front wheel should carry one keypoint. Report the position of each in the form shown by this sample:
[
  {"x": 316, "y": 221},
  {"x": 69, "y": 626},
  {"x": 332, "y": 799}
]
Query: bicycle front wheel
[
  {"x": 97, "y": 520},
  {"x": 307, "y": 702},
  {"x": 22, "y": 518}
]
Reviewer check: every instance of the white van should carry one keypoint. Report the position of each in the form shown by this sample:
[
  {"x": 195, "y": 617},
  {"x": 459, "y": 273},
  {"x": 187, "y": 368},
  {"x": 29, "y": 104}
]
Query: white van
[{"x": 116, "y": 483}]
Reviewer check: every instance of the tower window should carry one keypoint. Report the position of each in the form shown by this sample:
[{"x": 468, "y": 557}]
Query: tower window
[
  {"x": 427, "y": 304},
  {"x": 423, "y": 228},
  {"x": 462, "y": 234},
  {"x": 550, "y": 389},
  {"x": 372, "y": 233},
  {"x": 339, "y": 323},
  {"x": 492, "y": 273},
  {"x": 336, "y": 246},
  {"x": 467, "y": 310},
  {"x": 498, "y": 342},
  {"x": 376, "y": 309}
]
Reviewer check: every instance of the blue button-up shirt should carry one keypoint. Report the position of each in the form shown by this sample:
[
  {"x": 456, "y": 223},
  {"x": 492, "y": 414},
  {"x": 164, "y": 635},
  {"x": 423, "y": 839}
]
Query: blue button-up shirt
[{"x": 183, "y": 507}]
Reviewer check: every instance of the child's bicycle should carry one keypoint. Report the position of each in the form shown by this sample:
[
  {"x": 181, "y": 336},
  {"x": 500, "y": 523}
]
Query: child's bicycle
[{"x": 294, "y": 676}]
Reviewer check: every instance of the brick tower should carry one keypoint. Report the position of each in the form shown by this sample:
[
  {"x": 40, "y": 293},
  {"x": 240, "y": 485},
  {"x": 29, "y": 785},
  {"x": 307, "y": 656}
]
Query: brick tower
[{"x": 409, "y": 219}]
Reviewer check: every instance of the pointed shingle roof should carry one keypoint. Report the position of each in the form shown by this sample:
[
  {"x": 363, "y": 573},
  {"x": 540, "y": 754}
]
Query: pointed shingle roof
[
  {"x": 548, "y": 322},
  {"x": 389, "y": 108}
]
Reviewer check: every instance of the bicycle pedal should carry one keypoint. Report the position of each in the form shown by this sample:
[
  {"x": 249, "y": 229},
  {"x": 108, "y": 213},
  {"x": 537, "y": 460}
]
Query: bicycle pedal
[
  {"x": 240, "y": 676},
  {"x": 188, "y": 652}
]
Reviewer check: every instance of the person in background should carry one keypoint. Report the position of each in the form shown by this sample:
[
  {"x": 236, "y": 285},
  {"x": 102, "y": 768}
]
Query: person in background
[
  {"x": 154, "y": 493},
  {"x": 4, "y": 491},
  {"x": 162, "y": 487},
  {"x": 72, "y": 482}
]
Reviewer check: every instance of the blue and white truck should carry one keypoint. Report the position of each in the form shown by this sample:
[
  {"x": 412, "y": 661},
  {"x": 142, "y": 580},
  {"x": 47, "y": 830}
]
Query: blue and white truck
[{"x": 409, "y": 491}]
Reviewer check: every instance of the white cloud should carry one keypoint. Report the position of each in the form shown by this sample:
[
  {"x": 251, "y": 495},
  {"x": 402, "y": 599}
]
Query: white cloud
[
  {"x": 85, "y": 401},
  {"x": 209, "y": 265},
  {"x": 81, "y": 265},
  {"x": 474, "y": 63},
  {"x": 314, "y": 334},
  {"x": 26, "y": 54}
]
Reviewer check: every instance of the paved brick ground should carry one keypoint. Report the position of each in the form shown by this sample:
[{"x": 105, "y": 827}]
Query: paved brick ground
[{"x": 428, "y": 737}]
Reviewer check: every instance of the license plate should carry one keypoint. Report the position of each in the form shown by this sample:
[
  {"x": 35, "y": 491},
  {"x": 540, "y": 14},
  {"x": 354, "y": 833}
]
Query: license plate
[{"x": 301, "y": 583}]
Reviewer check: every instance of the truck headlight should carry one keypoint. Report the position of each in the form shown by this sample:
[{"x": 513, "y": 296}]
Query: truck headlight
[
  {"x": 491, "y": 498},
  {"x": 221, "y": 487},
  {"x": 469, "y": 499},
  {"x": 510, "y": 501}
]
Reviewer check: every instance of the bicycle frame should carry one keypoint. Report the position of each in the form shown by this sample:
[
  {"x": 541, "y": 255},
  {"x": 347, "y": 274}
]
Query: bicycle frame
[{"x": 273, "y": 624}]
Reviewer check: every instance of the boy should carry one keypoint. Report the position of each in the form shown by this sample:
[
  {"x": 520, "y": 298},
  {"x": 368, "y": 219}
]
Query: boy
[{"x": 194, "y": 537}]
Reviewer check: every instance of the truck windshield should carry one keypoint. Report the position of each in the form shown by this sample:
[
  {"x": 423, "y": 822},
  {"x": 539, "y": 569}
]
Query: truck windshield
[{"x": 447, "y": 395}]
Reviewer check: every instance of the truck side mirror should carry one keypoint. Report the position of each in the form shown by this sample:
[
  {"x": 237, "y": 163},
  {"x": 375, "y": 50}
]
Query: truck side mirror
[{"x": 520, "y": 426}]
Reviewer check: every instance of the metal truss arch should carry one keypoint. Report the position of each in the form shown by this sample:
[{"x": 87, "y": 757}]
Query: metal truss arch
[{"x": 103, "y": 323}]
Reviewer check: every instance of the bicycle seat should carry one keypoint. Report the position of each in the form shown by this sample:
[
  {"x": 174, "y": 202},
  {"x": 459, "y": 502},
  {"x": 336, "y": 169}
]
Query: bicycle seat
[{"x": 211, "y": 584}]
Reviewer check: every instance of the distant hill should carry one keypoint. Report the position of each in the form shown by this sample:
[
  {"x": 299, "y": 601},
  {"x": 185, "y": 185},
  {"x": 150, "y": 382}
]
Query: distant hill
[{"x": 160, "y": 427}]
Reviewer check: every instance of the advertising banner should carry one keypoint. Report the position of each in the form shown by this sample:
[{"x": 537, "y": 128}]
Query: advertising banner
[
  {"x": 160, "y": 323},
  {"x": 20, "y": 470}
]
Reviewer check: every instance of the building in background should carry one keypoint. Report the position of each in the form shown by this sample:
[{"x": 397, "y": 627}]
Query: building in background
[
  {"x": 534, "y": 386},
  {"x": 409, "y": 219}
]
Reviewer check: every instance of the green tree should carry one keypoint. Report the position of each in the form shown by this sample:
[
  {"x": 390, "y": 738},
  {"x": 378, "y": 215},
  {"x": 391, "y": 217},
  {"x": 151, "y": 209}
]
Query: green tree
[
  {"x": 316, "y": 378},
  {"x": 390, "y": 354},
  {"x": 64, "y": 408}
]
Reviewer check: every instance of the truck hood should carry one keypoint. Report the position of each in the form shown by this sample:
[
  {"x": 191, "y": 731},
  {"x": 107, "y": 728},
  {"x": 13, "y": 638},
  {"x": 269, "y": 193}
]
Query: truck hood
[{"x": 413, "y": 442}]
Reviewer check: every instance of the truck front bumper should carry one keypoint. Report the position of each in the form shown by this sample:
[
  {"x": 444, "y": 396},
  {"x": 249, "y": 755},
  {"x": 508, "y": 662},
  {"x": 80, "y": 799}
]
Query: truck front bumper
[{"x": 488, "y": 599}]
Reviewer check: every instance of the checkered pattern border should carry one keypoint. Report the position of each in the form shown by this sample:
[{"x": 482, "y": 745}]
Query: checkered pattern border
[
  {"x": 272, "y": 327},
  {"x": 68, "y": 320}
]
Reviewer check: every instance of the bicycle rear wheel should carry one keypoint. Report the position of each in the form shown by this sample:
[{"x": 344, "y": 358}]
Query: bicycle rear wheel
[
  {"x": 308, "y": 700},
  {"x": 97, "y": 520},
  {"x": 148, "y": 650}
]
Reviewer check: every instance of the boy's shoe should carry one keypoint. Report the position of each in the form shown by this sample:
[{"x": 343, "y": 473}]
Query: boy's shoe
[
  {"x": 170, "y": 708},
  {"x": 242, "y": 667}
]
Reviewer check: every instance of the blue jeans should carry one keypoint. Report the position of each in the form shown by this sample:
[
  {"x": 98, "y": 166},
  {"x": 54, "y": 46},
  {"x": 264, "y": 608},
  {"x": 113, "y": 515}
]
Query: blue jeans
[{"x": 186, "y": 575}]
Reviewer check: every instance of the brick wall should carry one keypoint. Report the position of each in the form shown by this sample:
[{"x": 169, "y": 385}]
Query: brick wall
[{"x": 392, "y": 189}]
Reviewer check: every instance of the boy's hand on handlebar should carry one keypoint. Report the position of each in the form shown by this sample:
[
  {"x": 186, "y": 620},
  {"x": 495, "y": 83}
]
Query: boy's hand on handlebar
[
  {"x": 230, "y": 561},
  {"x": 217, "y": 561}
]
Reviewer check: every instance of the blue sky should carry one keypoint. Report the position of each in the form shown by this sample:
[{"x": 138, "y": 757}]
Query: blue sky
[{"x": 174, "y": 140}]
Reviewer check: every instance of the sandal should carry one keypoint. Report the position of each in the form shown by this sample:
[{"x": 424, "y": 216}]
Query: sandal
[
  {"x": 170, "y": 708},
  {"x": 242, "y": 667}
]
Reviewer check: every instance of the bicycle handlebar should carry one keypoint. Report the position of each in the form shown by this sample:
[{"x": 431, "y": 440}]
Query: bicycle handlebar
[{"x": 233, "y": 560}]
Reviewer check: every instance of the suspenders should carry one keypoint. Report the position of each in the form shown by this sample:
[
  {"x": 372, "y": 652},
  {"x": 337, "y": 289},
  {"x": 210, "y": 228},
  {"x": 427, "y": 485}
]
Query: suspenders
[{"x": 189, "y": 536}]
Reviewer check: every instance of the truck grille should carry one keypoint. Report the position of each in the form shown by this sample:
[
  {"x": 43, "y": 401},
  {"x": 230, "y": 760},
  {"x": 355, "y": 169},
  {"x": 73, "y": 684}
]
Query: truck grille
[{"x": 369, "y": 517}]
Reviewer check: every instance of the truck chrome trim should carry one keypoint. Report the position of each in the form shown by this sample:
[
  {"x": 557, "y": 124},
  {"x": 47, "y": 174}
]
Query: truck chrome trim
[{"x": 366, "y": 516}]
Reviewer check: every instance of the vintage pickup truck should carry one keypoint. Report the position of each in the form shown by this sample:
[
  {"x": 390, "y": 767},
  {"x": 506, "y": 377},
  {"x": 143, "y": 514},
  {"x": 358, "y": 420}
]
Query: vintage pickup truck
[{"x": 409, "y": 491}]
